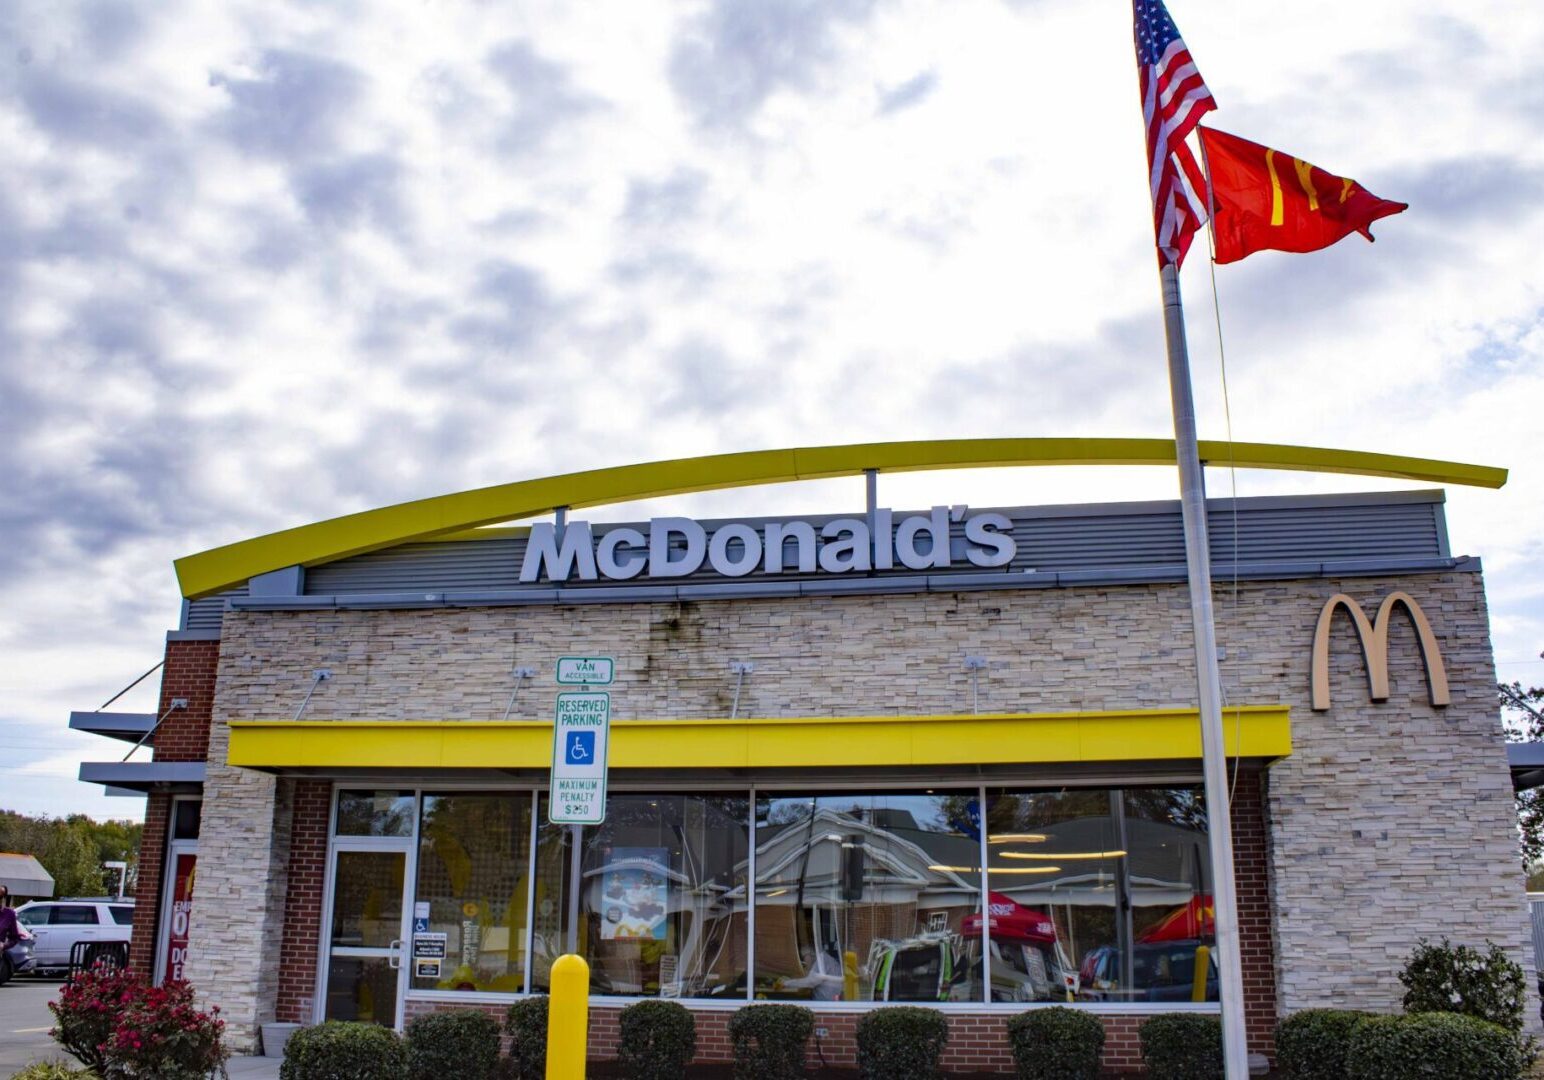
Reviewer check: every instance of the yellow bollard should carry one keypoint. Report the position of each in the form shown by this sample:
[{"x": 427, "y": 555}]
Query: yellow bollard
[
  {"x": 849, "y": 976},
  {"x": 1203, "y": 969},
  {"x": 568, "y": 1018}
]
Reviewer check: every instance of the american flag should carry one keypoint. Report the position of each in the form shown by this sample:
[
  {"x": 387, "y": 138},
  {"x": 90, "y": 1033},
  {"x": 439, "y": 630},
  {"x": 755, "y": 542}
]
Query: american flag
[{"x": 1174, "y": 98}]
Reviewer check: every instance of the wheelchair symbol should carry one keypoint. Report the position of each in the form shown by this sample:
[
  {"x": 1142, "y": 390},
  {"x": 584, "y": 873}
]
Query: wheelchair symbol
[{"x": 580, "y": 749}]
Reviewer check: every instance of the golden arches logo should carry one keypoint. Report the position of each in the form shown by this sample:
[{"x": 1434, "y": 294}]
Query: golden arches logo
[{"x": 1374, "y": 637}]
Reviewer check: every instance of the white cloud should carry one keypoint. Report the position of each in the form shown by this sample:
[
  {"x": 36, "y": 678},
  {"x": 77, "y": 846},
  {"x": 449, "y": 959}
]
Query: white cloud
[{"x": 262, "y": 264}]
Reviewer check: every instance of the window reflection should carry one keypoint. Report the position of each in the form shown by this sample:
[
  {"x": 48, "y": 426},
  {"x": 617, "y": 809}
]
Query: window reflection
[
  {"x": 1099, "y": 895},
  {"x": 473, "y": 883},
  {"x": 864, "y": 897},
  {"x": 661, "y": 896},
  {"x": 1091, "y": 894},
  {"x": 375, "y": 813}
]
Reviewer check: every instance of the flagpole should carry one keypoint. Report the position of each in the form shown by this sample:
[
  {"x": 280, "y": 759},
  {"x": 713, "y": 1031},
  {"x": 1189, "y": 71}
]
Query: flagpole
[{"x": 1235, "y": 1048}]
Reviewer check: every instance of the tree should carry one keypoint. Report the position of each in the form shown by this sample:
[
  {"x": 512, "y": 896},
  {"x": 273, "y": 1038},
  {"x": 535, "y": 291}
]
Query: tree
[
  {"x": 1522, "y": 717},
  {"x": 72, "y": 849}
]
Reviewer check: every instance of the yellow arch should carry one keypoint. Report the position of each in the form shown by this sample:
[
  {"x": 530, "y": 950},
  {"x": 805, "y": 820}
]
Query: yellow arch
[{"x": 308, "y": 545}]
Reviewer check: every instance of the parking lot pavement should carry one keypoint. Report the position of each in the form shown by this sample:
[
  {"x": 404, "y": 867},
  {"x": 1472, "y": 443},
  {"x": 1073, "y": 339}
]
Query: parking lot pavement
[{"x": 24, "y": 1023}]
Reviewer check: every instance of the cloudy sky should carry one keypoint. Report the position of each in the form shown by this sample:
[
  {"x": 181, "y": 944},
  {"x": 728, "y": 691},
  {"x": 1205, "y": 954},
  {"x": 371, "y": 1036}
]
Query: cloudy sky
[{"x": 262, "y": 264}]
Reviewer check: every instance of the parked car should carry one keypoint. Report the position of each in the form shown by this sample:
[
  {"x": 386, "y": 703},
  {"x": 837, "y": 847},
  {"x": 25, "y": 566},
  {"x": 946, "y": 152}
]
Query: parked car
[
  {"x": 1160, "y": 971},
  {"x": 56, "y": 925},
  {"x": 17, "y": 959}
]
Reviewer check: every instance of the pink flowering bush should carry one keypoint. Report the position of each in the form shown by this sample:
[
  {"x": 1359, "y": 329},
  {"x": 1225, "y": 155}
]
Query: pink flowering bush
[
  {"x": 89, "y": 1009},
  {"x": 164, "y": 1035},
  {"x": 126, "y": 1030}
]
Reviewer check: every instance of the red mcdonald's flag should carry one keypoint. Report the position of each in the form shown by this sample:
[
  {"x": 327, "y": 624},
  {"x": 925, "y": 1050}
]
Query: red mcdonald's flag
[{"x": 1266, "y": 199}]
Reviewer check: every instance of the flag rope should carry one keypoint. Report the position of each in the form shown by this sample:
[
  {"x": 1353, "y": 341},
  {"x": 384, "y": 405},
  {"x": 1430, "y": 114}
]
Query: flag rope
[{"x": 1227, "y": 416}]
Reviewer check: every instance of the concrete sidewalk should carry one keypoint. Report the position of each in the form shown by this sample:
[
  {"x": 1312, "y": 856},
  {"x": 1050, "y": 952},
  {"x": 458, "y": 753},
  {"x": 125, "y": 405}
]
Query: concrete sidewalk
[{"x": 254, "y": 1068}]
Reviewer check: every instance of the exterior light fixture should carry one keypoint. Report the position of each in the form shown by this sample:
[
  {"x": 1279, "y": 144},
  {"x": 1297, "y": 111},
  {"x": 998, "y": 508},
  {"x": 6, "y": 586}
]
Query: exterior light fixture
[{"x": 739, "y": 669}]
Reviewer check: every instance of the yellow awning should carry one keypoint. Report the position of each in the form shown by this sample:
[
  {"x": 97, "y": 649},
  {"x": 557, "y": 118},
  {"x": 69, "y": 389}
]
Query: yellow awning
[{"x": 1261, "y": 731}]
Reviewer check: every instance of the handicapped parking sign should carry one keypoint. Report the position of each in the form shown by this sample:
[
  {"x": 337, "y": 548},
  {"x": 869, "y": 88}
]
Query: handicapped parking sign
[
  {"x": 579, "y": 738},
  {"x": 581, "y": 748}
]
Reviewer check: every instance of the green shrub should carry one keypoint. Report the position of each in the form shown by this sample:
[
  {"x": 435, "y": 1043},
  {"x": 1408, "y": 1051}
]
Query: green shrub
[
  {"x": 1312, "y": 1044},
  {"x": 901, "y": 1042},
  {"x": 526, "y": 1026},
  {"x": 1182, "y": 1046},
  {"x": 461, "y": 1043},
  {"x": 53, "y": 1070},
  {"x": 769, "y": 1041},
  {"x": 1433, "y": 1046},
  {"x": 340, "y": 1050},
  {"x": 658, "y": 1041},
  {"x": 1056, "y": 1043},
  {"x": 1458, "y": 979}
]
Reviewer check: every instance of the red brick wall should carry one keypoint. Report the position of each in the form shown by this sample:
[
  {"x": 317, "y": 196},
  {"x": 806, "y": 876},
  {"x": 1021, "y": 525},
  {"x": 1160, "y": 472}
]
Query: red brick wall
[
  {"x": 303, "y": 901},
  {"x": 978, "y": 1043},
  {"x": 148, "y": 887},
  {"x": 190, "y": 673},
  {"x": 1254, "y": 912},
  {"x": 183, "y": 736}
]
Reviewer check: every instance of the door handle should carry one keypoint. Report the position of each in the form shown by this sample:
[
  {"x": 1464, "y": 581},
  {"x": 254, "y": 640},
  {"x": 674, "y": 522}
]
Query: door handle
[{"x": 394, "y": 961}]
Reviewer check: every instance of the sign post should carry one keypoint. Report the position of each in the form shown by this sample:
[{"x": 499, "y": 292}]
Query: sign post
[{"x": 580, "y": 736}]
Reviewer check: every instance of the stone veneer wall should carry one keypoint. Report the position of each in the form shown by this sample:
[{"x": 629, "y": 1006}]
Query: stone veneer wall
[{"x": 1389, "y": 822}]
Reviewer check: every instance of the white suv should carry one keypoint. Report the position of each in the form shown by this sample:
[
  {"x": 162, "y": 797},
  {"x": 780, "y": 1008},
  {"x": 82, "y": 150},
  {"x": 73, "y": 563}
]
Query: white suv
[{"x": 58, "y": 924}]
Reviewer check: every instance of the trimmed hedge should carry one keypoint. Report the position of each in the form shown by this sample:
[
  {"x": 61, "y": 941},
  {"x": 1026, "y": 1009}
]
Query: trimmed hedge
[
  {"x": 526, "y": 1025},
  {"x": 658, "y": 1041},
  {"x": 1312, "y": 1044},
  {"x": 460, "y": 1043},
  {"x": 1182, "y": 1046},
  {"x": 1056, "y": 1043},
  {"x": 769, "y": 1041},
  {"x": 1439, "y": 1046},
  {"x": 901, "y": 1042},
  {"x": 340, "y": 1050}
]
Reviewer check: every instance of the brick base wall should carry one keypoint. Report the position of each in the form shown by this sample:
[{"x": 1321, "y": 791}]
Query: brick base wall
[
  {"x": 1252, "y": 870},
  {"x": 149, "y": 885},
  {"x": 303, "y": 903},
  {"x": 978, "y": 1042},
  {"x": 190, "y": 672}
]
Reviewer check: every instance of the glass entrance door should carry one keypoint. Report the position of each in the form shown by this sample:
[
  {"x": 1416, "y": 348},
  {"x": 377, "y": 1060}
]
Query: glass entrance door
[{"x": 366, "y": 929}]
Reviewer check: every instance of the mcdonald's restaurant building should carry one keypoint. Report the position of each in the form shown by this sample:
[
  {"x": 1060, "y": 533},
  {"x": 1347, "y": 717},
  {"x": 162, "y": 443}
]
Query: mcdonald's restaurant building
[{"x": 946, "y": 756}]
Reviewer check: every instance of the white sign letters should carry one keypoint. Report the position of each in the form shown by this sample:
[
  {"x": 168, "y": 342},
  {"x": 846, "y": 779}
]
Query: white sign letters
[{"x": 676, "y": 547}]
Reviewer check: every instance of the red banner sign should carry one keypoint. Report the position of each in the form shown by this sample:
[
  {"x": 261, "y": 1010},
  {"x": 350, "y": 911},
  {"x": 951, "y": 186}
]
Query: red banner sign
[{"x": 181, "y": 912}]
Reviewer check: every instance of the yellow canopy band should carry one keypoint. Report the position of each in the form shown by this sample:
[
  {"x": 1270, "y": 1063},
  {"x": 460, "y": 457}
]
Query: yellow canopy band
[
  {"x": 309, "y": 545},
  {"x": 1260, "y": 731}
]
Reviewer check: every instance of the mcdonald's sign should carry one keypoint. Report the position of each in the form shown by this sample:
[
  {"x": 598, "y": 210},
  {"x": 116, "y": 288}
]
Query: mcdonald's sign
[{"x": 1374, "y": 637}]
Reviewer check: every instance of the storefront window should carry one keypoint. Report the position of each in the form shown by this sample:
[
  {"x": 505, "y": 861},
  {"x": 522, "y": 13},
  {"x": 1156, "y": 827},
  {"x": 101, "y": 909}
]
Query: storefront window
[
  {"x": 469, "y": 914},
  {"x": 375, "y": 813},
  {"x": 1091, "y": 895},
  {"x": 661, "y": 896},
  {"x": 864, "y": 897},
  {"x": 1099, "y": 895}
]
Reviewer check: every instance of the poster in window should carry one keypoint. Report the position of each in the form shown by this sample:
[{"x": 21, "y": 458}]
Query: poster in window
[
  {"x": 181, "y": 911},
  {"x": 635, "y": 889}
]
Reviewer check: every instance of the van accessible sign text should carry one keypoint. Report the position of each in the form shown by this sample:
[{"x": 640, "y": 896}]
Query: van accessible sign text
[{"x": 676, "y": 547}]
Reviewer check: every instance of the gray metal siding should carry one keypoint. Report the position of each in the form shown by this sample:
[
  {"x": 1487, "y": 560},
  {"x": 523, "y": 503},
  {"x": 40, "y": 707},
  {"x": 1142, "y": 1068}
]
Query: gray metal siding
[
  {"x": 208, "y": 613},
  {"x": 1050, "y": 540},
  {"x": 1058, "y": 546}
]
